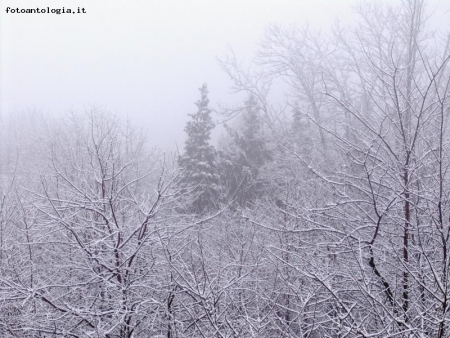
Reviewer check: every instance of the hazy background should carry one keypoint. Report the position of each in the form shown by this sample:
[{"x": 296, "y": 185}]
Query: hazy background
[{"x": 142, "y": 59}]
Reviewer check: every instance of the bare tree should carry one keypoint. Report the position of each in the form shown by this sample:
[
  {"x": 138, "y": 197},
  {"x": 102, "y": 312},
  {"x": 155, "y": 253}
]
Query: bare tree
[
  {"x": 377, "y": 230},
  {"x": 96, "y": 217}
]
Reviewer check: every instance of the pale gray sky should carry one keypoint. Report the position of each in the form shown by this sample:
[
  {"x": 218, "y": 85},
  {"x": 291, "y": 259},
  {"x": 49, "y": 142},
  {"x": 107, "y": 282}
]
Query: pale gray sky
[{"x": 143, "y": 59}]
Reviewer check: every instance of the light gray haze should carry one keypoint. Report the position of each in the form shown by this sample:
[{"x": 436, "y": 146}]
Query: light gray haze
[{"x": 140, "y": 59}]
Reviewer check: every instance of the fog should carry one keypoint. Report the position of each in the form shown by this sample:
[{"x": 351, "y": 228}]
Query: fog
[
  {"x": 309, "y": 197},
  {"x": 144, "y": 60}
]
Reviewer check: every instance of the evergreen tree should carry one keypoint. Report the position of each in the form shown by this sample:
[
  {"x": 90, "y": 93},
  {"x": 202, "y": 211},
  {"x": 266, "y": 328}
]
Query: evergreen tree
[
  {"x": 200, "y": 169},
  {"x": 246, "y": 154}
]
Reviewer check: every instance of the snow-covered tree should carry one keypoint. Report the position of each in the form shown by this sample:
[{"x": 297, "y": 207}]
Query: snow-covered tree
[
  {"x": 369, "y": 239},
  {"x": 245, "y": 154},
  {"x": 91, "y": 263},
  {"x": 200, "y": 175}
]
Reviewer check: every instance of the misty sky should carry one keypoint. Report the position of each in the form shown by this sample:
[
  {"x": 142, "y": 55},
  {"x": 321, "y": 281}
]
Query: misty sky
[{"x": 141, "y": 59}]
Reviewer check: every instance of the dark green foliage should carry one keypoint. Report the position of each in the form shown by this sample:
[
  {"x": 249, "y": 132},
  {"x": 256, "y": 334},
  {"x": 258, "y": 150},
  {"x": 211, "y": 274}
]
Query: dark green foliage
[
  {"x": 245, "y": 155},
  {"x": 200, "y": 170}
]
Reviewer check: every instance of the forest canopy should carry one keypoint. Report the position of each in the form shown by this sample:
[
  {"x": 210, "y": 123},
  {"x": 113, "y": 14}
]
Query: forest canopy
[{"x": 325, "y": 216}]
